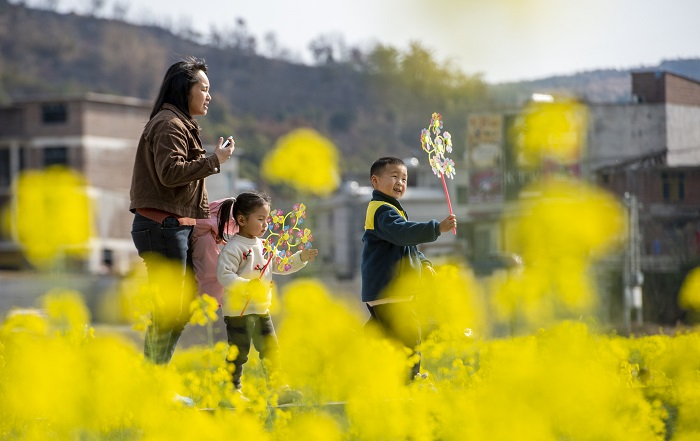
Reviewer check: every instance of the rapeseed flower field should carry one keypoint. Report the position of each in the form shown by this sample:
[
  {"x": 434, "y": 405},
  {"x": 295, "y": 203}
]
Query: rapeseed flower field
[
  {"x": 62, "y": 380},
  {"x": 552, "y": 375}
]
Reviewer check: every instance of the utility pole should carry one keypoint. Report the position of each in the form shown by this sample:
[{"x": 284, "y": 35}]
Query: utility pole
[{"x": 632, "y": 275}]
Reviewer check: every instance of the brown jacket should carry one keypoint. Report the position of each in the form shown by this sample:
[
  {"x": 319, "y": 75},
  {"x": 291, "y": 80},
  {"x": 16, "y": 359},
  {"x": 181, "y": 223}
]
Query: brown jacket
[{"x": 171, "y": 165}]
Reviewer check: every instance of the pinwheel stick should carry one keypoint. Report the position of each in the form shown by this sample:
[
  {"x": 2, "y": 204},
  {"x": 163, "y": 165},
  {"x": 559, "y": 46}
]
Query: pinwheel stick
[
  {"x": 247, "y": 302},
  {"x": 447, "y": 195},
  {"x": 266, "y": 265},
  {"x": 245, "y": 306}
]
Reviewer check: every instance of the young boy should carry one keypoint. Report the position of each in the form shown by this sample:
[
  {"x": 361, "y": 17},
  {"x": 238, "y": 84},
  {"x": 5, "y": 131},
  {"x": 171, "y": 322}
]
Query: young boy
[{"x": 390, "y": 251}]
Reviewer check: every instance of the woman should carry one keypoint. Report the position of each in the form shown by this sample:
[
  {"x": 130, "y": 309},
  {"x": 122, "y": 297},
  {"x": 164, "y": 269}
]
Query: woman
[{"x": 168, "y": 194}]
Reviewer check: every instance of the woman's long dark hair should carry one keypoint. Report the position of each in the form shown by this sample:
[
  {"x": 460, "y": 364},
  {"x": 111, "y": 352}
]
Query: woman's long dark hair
[
  {"x": 244, "y": 204},
  {"x": 177, "y": 83}
]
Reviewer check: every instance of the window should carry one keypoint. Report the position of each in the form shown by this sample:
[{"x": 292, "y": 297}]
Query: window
[
  {"x": 54, "y": 113},
  {"x": 673, "y": 187},
  {"x": 108, "y": 259},
  {"x": 23, "y": 158},
  {"x": 55, "y": 156},
  {"x": 5, "y": 173},
  {"x": 681, "y": 186}
]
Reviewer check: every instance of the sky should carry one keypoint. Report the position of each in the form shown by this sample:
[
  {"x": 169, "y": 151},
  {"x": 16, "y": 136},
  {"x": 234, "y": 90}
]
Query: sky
[{"x": 504, "y": 40}]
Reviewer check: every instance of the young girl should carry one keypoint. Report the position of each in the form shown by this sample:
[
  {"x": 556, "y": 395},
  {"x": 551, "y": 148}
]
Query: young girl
[{"x": 242, "y": 272}]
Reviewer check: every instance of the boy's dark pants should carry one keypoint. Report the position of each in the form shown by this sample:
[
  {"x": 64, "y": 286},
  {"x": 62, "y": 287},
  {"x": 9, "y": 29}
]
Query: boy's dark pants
[
  {"x": 257, "y": 328},
  {"x": 399, "y": 321}
]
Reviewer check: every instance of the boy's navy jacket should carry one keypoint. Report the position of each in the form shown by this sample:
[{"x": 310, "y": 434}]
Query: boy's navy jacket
[{"x": 390, "y": 245}]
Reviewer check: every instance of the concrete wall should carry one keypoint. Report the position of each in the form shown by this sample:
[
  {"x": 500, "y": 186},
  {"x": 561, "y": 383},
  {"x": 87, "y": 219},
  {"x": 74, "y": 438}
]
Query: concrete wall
[
  {"x": 683, "y": 135},
  {"x": 620, "y": 132}
]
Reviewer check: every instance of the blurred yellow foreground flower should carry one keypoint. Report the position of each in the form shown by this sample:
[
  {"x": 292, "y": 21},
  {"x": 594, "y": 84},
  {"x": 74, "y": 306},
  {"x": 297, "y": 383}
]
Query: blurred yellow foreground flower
[
  {"x": 551, "y": 131},
  {"x": 305, "y": 160},
  {"x": 51, "y": 213},
  {"x": 690, "y": 291},
  {"x": 568, "y": 225}
]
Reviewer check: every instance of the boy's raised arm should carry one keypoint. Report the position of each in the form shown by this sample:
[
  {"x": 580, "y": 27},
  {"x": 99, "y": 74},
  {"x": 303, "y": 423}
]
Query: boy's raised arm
[{"x": 392, "y": 227}]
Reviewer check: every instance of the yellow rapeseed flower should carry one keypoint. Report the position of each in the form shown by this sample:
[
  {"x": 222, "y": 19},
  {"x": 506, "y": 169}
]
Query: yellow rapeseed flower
[
  {"x": 329, "y": 358},
  {"x": 551, "y": 131},
  {"x": 305, "y": 160},
  {"x": 29, "y": 321},
  {"x": 161, "y": 290},
  {"x": 450, "y": 298},
  {"x": 58, "y": 197},
  {"x": 66, "y": 312},
  {"x": 203, "y": 310},
  {"x": 316, "y": 427},
  {"x": 565, "y": 228},
  {"x": 689, "y": 297}
]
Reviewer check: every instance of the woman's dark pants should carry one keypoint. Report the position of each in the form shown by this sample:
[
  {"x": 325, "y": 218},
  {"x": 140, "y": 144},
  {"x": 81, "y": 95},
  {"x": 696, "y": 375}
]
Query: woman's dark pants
[{"x": 165, "y": 250}]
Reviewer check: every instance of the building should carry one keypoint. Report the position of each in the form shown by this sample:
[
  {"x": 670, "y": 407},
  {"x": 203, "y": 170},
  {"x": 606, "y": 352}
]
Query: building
[
  {"x": 96, "y": 135},
  {"x": 647, "y": 152},
  {"x": 661, "y": 178}
]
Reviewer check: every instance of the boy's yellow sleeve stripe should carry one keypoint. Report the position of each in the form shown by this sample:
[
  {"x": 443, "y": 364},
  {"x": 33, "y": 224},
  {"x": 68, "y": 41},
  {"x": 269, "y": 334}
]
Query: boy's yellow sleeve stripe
[{"x": 372, "y": 209}]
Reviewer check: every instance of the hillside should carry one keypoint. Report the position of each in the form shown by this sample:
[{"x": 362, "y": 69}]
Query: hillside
[
  {"x": 597, "y": 86},
  {"x": 372, "y": 103}
]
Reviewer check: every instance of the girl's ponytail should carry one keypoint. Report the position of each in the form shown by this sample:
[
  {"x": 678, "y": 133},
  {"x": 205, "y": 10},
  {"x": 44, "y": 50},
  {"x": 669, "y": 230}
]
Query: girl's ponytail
[{"x": 226, "y": 216}]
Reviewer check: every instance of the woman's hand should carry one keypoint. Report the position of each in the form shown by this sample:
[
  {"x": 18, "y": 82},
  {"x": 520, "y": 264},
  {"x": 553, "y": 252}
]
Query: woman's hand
[{"x": 225, "y": 153}]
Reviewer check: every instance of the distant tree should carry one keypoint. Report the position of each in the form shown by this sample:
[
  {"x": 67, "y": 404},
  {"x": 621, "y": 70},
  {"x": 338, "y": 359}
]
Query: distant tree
[
  {"x": 321, "y": 51},
  {"x": 51, "y": 5},
  {"x": 420, "y": 71},
  {"x": 271, "y": 44},
  {"x": 357, "y": 58},
  {"x": 329, "y": 49},
  {"x": 95, "y": 7},
  {"x": 119, "y": 10},
  {"x": 383, "y": 60},
  {"x": 241, "y": 38},
  {"x": 216, "y": 38},
  {"x": 131, "y": 63},
  {"x": 186, "y": 30},
  {"x": 273, "y": 49}
]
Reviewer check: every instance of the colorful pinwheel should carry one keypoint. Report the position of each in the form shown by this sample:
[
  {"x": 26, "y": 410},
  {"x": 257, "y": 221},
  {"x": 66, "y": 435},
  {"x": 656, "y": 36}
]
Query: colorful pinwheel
[
  {"x": 284, "y": 239},
  {"x": 436, "y": 147}
]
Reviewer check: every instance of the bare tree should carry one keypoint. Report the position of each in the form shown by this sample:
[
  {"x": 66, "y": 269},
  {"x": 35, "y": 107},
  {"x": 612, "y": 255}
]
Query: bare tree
[
  {"x": 215, "y": 38},
  {"x": 186, "y": 29},
  {"x": 322, "y": 50},
  {"x": 274, "y": 50},
  {"x": 120, "y": 10},
  {"x": 51, "y": 5},
  {"x": 96, "y": 6},
  {"x": 241, "y": 38},
  {"x": 271, "y": 44},
  {"x": 330, "y": 48}
]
